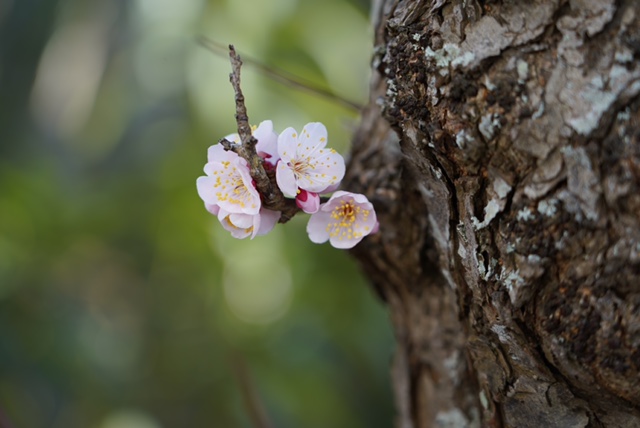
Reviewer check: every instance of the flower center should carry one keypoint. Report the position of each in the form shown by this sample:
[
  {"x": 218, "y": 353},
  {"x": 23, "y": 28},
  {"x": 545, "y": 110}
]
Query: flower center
[
  {"x": 344, "y": 224},
  {"x": 348, "y": 212},
  {"x": 300, "y": 167},
  {"x": 230, "y": 187}
]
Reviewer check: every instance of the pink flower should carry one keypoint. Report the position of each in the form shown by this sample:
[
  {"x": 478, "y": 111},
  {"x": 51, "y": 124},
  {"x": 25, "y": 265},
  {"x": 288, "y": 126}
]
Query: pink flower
[
  {"x": 245, "y": 225},
  {"x": 228, "y": 183},
  {"x": 308, "y": 202},
  {"x": 343, "y": 221},
  {"x": 228, "y": 191},
  {"x": 305, "y": 163}
]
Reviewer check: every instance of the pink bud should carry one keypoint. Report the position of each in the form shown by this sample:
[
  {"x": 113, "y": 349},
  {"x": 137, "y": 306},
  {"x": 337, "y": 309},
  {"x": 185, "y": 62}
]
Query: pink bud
[{"x": 308, "y": 202}]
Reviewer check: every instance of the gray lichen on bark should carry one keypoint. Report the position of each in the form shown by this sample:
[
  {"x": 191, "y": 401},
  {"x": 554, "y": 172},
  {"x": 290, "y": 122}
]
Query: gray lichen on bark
[{"x": 501, "y": 148}]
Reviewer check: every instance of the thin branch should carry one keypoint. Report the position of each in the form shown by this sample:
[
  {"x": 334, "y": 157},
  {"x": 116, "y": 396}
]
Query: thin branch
[
  {"x": 4, "y": 420},
  {"x": 252, "y": 401},
  {"x": 284, "y": 77},
  {"x": 272, "y": 197}
]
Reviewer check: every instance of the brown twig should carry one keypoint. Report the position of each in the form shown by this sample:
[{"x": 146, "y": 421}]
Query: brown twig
[
  {"x": 4, "y": 420},
  {"x": 272, "y": 197},
  {"x": 252, "y": 401},
  {"x": 284, "y": 77}
]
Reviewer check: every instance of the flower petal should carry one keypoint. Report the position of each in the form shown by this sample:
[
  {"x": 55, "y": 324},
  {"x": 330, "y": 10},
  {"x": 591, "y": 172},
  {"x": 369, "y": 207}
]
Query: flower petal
[
  {"x": 344, "y": 243},
  {"x": 242, "y": 221},
  {"x": 268, "y": 220},
  {"x": 316, "y": 133},
  {"x": 212, "y": 208},
  {"x": 267, "y": 146},
  {"x": 287, "y": 142},
  {"x": 286, "y": 179},
  {"x": 230, "y": 223},
  {"x": 206, "y": 190},
  {"x": 317, "y": 227},
  {"x": 330, "y": 189}
]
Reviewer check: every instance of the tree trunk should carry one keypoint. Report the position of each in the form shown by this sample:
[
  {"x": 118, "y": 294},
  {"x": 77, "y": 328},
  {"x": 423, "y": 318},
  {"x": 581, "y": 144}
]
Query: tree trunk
[{"x": 501, "y": 148}]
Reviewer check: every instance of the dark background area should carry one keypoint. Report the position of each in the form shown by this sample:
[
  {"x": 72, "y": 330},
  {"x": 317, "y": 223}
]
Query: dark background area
[{"x": 123, "y": 304}]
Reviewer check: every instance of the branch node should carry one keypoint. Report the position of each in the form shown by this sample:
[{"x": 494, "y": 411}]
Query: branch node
[{"x": 229, "y": 146}]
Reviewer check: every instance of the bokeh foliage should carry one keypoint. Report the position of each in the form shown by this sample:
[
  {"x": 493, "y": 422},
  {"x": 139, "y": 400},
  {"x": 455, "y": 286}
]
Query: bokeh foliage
[{"x": 123, "y": 304}]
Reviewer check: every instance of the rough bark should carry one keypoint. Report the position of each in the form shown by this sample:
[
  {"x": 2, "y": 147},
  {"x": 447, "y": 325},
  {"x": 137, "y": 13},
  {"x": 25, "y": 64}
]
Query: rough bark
[{"x": 501, "y": 148}]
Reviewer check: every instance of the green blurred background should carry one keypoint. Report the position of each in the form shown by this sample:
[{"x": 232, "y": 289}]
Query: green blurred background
[{"x": 123, "y": 304}]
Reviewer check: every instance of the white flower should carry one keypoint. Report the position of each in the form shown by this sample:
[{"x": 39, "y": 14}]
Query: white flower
[
  {"x": 228, "y": 183},
  {"x": 343, "y": 221},
  {"x": 245, "y": 225},
  {"x": 228, "y": 191},
  {"x": 305, "y": 163}
]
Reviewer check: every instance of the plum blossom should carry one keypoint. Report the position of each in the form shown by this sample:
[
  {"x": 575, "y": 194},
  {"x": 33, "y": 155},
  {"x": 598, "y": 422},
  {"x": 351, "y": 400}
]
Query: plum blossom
[
  {"x": 308, "y": 202},
  {"x": 228, "y": 190},
  {"x": 244, "y": 225},
  {"x": 344, "y": 220},
  {"x": 240, "y": 225},
  {"x": 228, "y": 183},
  {"x": 305, "y": 163},
  {"x": 304, "y": 168}
]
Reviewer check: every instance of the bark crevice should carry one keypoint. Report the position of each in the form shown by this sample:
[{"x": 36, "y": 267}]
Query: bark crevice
[{"x": 510, "y": 240}]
